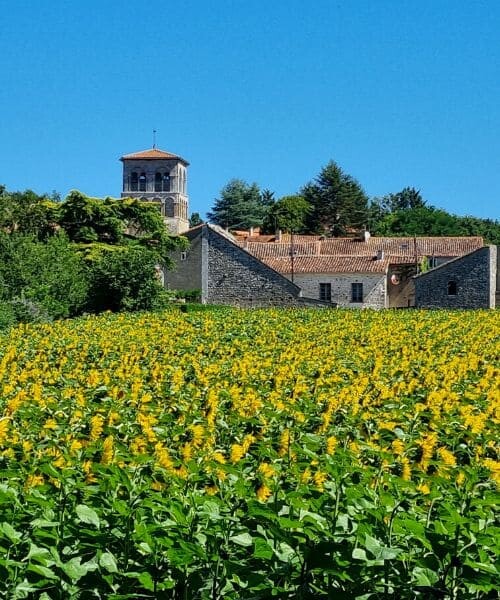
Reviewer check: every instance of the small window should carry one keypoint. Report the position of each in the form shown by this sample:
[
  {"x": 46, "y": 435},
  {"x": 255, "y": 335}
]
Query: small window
[
  {"x": 142, "y": 182},
  {"x": 134, "y": 182},
  {"x": 452, "y": 288},
  {"x": 184, "y": 255},
  {"x": 356, "y": 292},
  {"x": 325, "y": 292}
]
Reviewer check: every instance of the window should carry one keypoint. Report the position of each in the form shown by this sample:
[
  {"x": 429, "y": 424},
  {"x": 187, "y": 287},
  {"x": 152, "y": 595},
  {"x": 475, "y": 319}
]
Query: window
[
  {"x": 134, "y": 185},
  {"x": 452, "y": 288},
  {"x": 158, "y": 180},
  {"x": 166, "y": 182},
  {"x": 184, "y": 255},
  {"x": 142, "y": 182},
  {"x": 325, "y": 292},
  {"x": 356, "y": 292}
]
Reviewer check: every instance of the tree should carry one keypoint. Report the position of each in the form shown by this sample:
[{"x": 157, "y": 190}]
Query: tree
[
  {"x": 267, "y": 197},
  {"x": 123, "y": 278},
  {"x": 240, "y": 205},
  {"x": 287, "y": 214},
  {"x": 195, "y": 220},
  {"x": 27, "y": 212},
  {"x": 407, "y": 199},
  {"x": 42, "y": 280},
  {"x": 338, "y": 202},
  {"x": 422, "y": 220},
  {"x": 117, "y": 222}
]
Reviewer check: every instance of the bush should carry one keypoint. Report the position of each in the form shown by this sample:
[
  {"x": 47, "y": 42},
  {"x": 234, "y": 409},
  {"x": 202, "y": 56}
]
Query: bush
[
  {"x": 43, "y": 280},
  {"x": 7, "y": 316},
  {"x": 124, "y": 278}
]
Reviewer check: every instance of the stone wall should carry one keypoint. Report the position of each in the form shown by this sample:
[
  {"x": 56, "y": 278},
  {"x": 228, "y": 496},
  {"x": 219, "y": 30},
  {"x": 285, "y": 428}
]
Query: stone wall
[
  {"x": 174, "y": 204},
  {"x": 186, "y": 274},
  {"x": 233, "y": 276},
  {"x": 374, "y": 288},
  {"x": 402, "y": 294},
  {"x": 474, "y": 276}
]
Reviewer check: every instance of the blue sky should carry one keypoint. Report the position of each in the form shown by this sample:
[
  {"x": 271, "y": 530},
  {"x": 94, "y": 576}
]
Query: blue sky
[{"x": 399, "y": 93}]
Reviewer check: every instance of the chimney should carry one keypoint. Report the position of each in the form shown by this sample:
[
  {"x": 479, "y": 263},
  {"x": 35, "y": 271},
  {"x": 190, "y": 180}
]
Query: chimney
[
  {"x": 251, "y": 231},
  {"x": 366, "y": 235},
  {"x": 278, "y": 235},
  {"x": 380, "y": 255}
]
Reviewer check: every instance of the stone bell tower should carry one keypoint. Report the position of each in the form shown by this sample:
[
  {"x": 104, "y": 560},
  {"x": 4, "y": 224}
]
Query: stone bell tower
[{"x": 161, "y": 177}]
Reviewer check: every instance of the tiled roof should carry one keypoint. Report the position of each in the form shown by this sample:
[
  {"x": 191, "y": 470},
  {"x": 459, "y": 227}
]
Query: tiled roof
[
  {"x": 152, "y": 154},
  {"x": 405, "y": 247},
  {"x": 327, "y": 264},
  {"x": 282, "y": 249},
  {"x": 350, "y": 255}
]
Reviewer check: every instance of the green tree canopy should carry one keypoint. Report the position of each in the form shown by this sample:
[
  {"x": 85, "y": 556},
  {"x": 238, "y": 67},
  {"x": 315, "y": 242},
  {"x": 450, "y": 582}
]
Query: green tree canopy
[
  {"x": 27, "y": 212},
  {"x": 239, "y": 206},
  {"x": 195, "y": 219},
  {"x": 338, "y": 202},
  {"x": 287, "y": 214},
  {"x": 58, "y": 259}
]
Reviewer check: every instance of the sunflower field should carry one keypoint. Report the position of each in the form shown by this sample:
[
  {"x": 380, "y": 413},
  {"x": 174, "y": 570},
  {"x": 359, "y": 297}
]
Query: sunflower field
[{"x": 251, "y": 454}]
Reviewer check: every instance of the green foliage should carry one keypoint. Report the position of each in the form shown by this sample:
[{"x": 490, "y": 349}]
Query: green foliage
[
  {"x": 60, "y": 258},
  {"x": 406, "y": 214},
  {"x": 408, "y": 198},
  {"x": 267, "y": 197},
  {"x": 27, "y": 213},
  {"x": 41, "y": 280},
  {"x": 288, "y": 214},
  {"x": 134, "y": 527},
  {"x": 126, "y": 279},
  {"x": 90, "y": 219},
  {"x": 7, "y": 315},
  {"x": 240, "y": 206},
  {"x": 338, "y": 202},
  {"x": 195, "y": 220}
]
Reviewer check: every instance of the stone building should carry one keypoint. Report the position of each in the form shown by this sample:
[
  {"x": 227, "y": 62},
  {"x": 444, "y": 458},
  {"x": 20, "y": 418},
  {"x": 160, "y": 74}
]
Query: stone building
[
  {"x": 470, "y": 281},
  {"x": 161, "y": 177},
  {"x": 224, "y": 273},
  {"x": 362, "y": 272}
]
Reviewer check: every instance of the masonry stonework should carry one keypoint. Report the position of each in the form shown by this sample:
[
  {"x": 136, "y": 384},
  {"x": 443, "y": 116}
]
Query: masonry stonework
[
  {"x": 373, "y": 287},
  {"x": 465, "y": 282},
  {"x": 186, "y": 272},
  {"x": 160, "y": 177},
  {"x": 236, "y": 277}
]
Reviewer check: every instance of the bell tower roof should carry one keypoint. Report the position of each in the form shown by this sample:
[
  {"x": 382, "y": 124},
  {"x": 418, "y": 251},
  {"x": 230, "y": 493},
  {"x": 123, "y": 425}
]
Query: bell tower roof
[{"x": 153, "y": 154}]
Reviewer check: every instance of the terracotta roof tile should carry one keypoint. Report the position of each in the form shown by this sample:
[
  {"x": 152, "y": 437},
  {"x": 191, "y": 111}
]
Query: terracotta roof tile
[
  {"x": 327, "y": 264},
  {"x": 408, "y": 247},
  {"x": 152, "y": 154}
]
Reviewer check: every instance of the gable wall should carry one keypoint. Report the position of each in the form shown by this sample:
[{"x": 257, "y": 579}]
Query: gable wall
[
  {"x": 235, "y": 277},
  {"x": 186, "y": 274},
  {"x": 475, "y": 275}
]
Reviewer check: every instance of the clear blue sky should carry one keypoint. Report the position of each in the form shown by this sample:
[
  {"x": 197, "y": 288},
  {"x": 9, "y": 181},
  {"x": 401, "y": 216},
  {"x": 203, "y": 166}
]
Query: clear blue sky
[{"x": 399, "y": 93}]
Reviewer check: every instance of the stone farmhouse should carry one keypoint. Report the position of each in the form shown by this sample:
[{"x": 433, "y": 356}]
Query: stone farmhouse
[
  {"x": 249, "y": 269},
  {"x": 383, "y": 272}
]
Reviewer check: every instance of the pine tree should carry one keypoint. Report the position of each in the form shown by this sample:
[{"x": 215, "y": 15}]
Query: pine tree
[
  {"x": 338, "y": 202},
  {"x": 239, "y": 206}
]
